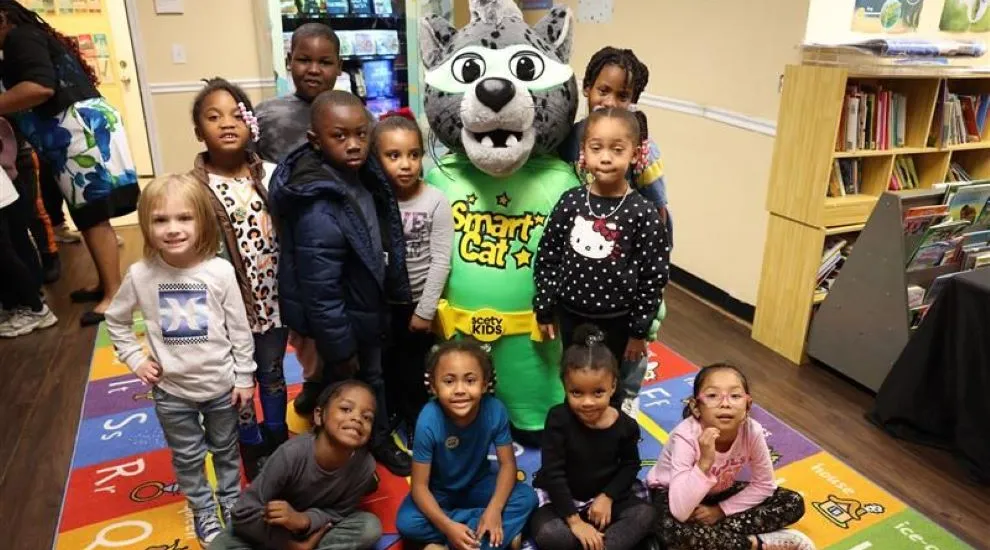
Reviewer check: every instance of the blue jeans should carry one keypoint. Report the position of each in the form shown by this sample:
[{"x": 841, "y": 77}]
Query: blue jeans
[
  {"x": 189, "y": 440},
  {"x": 466, "y": 507},
  {"x": 269, "y": 353}
]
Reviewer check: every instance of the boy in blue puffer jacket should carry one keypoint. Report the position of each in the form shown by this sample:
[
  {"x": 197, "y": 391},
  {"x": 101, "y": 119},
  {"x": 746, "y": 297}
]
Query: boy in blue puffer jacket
[{"x": 342, "y": 256}]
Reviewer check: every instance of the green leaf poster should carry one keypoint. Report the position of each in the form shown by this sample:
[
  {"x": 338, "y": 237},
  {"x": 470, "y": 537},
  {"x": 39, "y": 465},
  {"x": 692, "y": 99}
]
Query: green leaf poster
[
  {"x": 965, "y": 16},
  {"x": 887, "y": 16}
]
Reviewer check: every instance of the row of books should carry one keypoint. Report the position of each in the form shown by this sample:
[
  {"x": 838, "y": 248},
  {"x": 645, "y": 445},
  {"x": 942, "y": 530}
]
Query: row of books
[
  {"x": 959, "y": 118},
  {"x": 904, "y": 175},
  {"x": 296, "y": 8},
  {"x": 50, "y": 7},
  {"x": 954, "y": 232},
  {"x": 872, "y": 118},
  {"x": 837, "y": 249},
  {"x": 846, "y": 177}
]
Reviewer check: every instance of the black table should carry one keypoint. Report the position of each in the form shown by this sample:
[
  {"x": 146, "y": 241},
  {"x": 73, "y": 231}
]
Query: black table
[{"x": 938, "y": 391}]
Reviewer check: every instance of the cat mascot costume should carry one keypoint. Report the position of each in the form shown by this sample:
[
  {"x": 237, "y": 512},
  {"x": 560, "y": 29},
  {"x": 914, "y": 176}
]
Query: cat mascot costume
[{"x": 500, "y": 95}]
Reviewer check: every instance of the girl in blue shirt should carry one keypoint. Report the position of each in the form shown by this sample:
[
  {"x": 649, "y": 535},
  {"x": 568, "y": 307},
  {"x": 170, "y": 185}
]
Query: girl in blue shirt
[{"x": 457, "y": 499}]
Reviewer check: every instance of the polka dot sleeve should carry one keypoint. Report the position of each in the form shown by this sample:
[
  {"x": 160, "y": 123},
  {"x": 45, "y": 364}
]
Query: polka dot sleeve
[
  {"x": 651, "y": 254},
  {"x": 549, "y": 259}
]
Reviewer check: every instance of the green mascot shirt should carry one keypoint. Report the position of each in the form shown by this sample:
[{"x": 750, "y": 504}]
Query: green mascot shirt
[{"x": 498, "y": 223}]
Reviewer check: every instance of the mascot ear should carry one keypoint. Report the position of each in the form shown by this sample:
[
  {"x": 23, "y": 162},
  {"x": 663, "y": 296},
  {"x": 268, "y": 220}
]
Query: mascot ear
[
  {"x": 557, "y": 27},
  {"x": 435, "y": 33}
]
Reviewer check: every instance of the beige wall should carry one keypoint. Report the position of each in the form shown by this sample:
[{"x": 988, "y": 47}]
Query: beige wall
[
  {"x": 221, "y": 38},
  {"x": 729, "y": 57}
]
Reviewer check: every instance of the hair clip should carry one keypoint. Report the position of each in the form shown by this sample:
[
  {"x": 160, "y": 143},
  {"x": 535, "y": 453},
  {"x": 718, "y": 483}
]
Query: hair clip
[
  {"x": 594, "y": 338},
  {"x": 250, "y": 120}
]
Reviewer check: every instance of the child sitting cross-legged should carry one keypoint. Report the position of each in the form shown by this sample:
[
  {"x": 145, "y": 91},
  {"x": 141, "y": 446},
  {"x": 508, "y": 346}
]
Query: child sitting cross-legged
[
  {"x": 456, "y": 498},
  {"x": 307, "y": 494},
  {"x": 700, "y": 503}
]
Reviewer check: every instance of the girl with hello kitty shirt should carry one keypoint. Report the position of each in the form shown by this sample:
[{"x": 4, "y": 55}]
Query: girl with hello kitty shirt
[{"x": 604, "y": 256}]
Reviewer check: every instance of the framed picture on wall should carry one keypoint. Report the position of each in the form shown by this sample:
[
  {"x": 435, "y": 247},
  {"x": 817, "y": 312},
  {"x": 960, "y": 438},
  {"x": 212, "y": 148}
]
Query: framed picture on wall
[{"x": 965, "y": 16}]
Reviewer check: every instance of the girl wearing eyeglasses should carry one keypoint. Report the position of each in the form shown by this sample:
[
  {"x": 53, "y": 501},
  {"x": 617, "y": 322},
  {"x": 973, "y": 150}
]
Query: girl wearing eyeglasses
[{"x": 700, "y": 502}]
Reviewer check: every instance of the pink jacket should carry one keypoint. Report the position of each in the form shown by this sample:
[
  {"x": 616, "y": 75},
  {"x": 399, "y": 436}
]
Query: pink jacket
[{"x": 677, "y": 469}]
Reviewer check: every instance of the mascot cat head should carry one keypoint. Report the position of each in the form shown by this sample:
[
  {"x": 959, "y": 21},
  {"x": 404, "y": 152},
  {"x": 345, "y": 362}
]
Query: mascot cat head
[{"x": 497, "y": 89}]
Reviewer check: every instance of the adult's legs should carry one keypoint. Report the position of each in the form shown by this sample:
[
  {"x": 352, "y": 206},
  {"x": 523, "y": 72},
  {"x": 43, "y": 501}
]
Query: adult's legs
[{"x": 102, "y": 243}]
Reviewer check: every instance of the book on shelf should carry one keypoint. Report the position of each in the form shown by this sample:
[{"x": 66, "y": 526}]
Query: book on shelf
[
  {"x": 846, "y": 177},
  {"x": 957, "y": 173},
  {"x": 917, "y": 220},
  {"x": 917, "y": 314},
  {"x": 872, "y": 118},
  {"x": 966, "y": 202},
  {"x": 959, "y": 118},
  {"x": 904, "y": 176},
  {"x": 937, "y": 241}
]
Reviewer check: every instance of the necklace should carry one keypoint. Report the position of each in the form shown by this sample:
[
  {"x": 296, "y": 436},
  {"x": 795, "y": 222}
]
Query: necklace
[{"x": 587, "y": 202}]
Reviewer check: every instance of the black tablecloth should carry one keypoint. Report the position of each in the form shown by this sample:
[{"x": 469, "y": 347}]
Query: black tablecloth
[{"x": 938, "y": 391}]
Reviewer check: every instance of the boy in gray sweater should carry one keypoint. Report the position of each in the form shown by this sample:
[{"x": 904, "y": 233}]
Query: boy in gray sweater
[{"x": 306, "y": 496}]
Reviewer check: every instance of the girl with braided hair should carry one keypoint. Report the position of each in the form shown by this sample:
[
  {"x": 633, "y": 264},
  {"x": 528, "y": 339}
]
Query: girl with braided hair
[
  {"x": 237, "y": 180},
  {"x": 51, "y": 96},
  {"x": 616, "y": 78}
]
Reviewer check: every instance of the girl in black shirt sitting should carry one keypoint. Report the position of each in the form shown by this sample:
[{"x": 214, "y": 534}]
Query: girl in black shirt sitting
[{"x": 587, "y": 482}]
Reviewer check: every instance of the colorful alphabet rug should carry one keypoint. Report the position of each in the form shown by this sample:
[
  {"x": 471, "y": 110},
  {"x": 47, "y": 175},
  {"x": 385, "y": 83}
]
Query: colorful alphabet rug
[{"x": 122, "y": 494}]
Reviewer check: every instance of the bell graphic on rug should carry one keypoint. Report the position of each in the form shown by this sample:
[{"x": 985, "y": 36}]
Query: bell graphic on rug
[{"x": 842, "y": 511}]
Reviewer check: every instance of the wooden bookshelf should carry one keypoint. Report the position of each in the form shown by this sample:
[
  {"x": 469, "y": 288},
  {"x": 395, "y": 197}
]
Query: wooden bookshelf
[{"x": 801, "y": 213}]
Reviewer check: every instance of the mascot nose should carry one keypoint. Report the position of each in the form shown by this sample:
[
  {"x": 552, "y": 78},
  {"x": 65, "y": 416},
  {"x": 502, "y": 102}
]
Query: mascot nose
[{"x": 495, "y": 93}]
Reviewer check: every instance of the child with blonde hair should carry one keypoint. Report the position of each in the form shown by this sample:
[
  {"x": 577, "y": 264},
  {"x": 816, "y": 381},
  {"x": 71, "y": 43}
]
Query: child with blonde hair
[{"x": 200, "y": 359}]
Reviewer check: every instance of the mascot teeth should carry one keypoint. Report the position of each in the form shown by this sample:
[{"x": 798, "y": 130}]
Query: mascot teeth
[{"x": 499, "y": 138}]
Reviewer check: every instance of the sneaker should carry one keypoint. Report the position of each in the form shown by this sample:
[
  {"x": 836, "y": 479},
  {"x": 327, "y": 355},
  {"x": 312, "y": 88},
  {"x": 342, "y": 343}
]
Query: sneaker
[
  {"x": 65, "y": 235},
  {"x": 786, "y": 539},
  {"x": 207, "y": 526},
  {"x": 226, "y": 513},
  {"x": 631, "y": 407},
  {"x": 392, "y": 457},
  {"x": 24, "y": 321}
]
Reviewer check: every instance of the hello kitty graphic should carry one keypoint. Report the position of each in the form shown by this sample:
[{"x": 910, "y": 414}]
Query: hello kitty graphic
[{"x": 596, "y": 239}]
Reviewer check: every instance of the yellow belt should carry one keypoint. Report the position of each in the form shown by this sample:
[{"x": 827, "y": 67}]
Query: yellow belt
[{"x": 486, "y": 325}]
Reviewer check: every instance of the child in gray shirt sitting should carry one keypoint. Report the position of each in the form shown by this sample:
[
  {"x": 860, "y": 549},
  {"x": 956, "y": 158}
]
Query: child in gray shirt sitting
[{"x": 307, "y": 494}]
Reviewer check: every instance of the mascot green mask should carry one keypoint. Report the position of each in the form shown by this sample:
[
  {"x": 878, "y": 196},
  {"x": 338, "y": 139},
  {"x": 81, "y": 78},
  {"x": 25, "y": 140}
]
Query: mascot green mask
[{"x": 500, "y": 95}]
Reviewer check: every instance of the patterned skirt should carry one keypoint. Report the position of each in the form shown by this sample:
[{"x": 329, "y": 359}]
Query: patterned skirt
[{"x": 86, "y": 148}]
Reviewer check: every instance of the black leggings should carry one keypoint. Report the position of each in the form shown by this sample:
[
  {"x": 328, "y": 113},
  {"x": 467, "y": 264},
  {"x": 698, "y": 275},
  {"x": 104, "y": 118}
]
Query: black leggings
[
  {"x": 22, "y": 282},
  {"x": 783, "y": 508},
  {"x": 631, "y": 521},
  {"x": 403, "y": 363}
]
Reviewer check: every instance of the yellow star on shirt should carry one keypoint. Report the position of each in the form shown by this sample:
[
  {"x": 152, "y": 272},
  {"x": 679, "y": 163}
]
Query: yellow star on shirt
[
  {"x": 471, "y": 198},
  {"x": 539, "y": 219},
  {"x": 503, "y": 199},
  {"x": 523, "y": 257}
]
